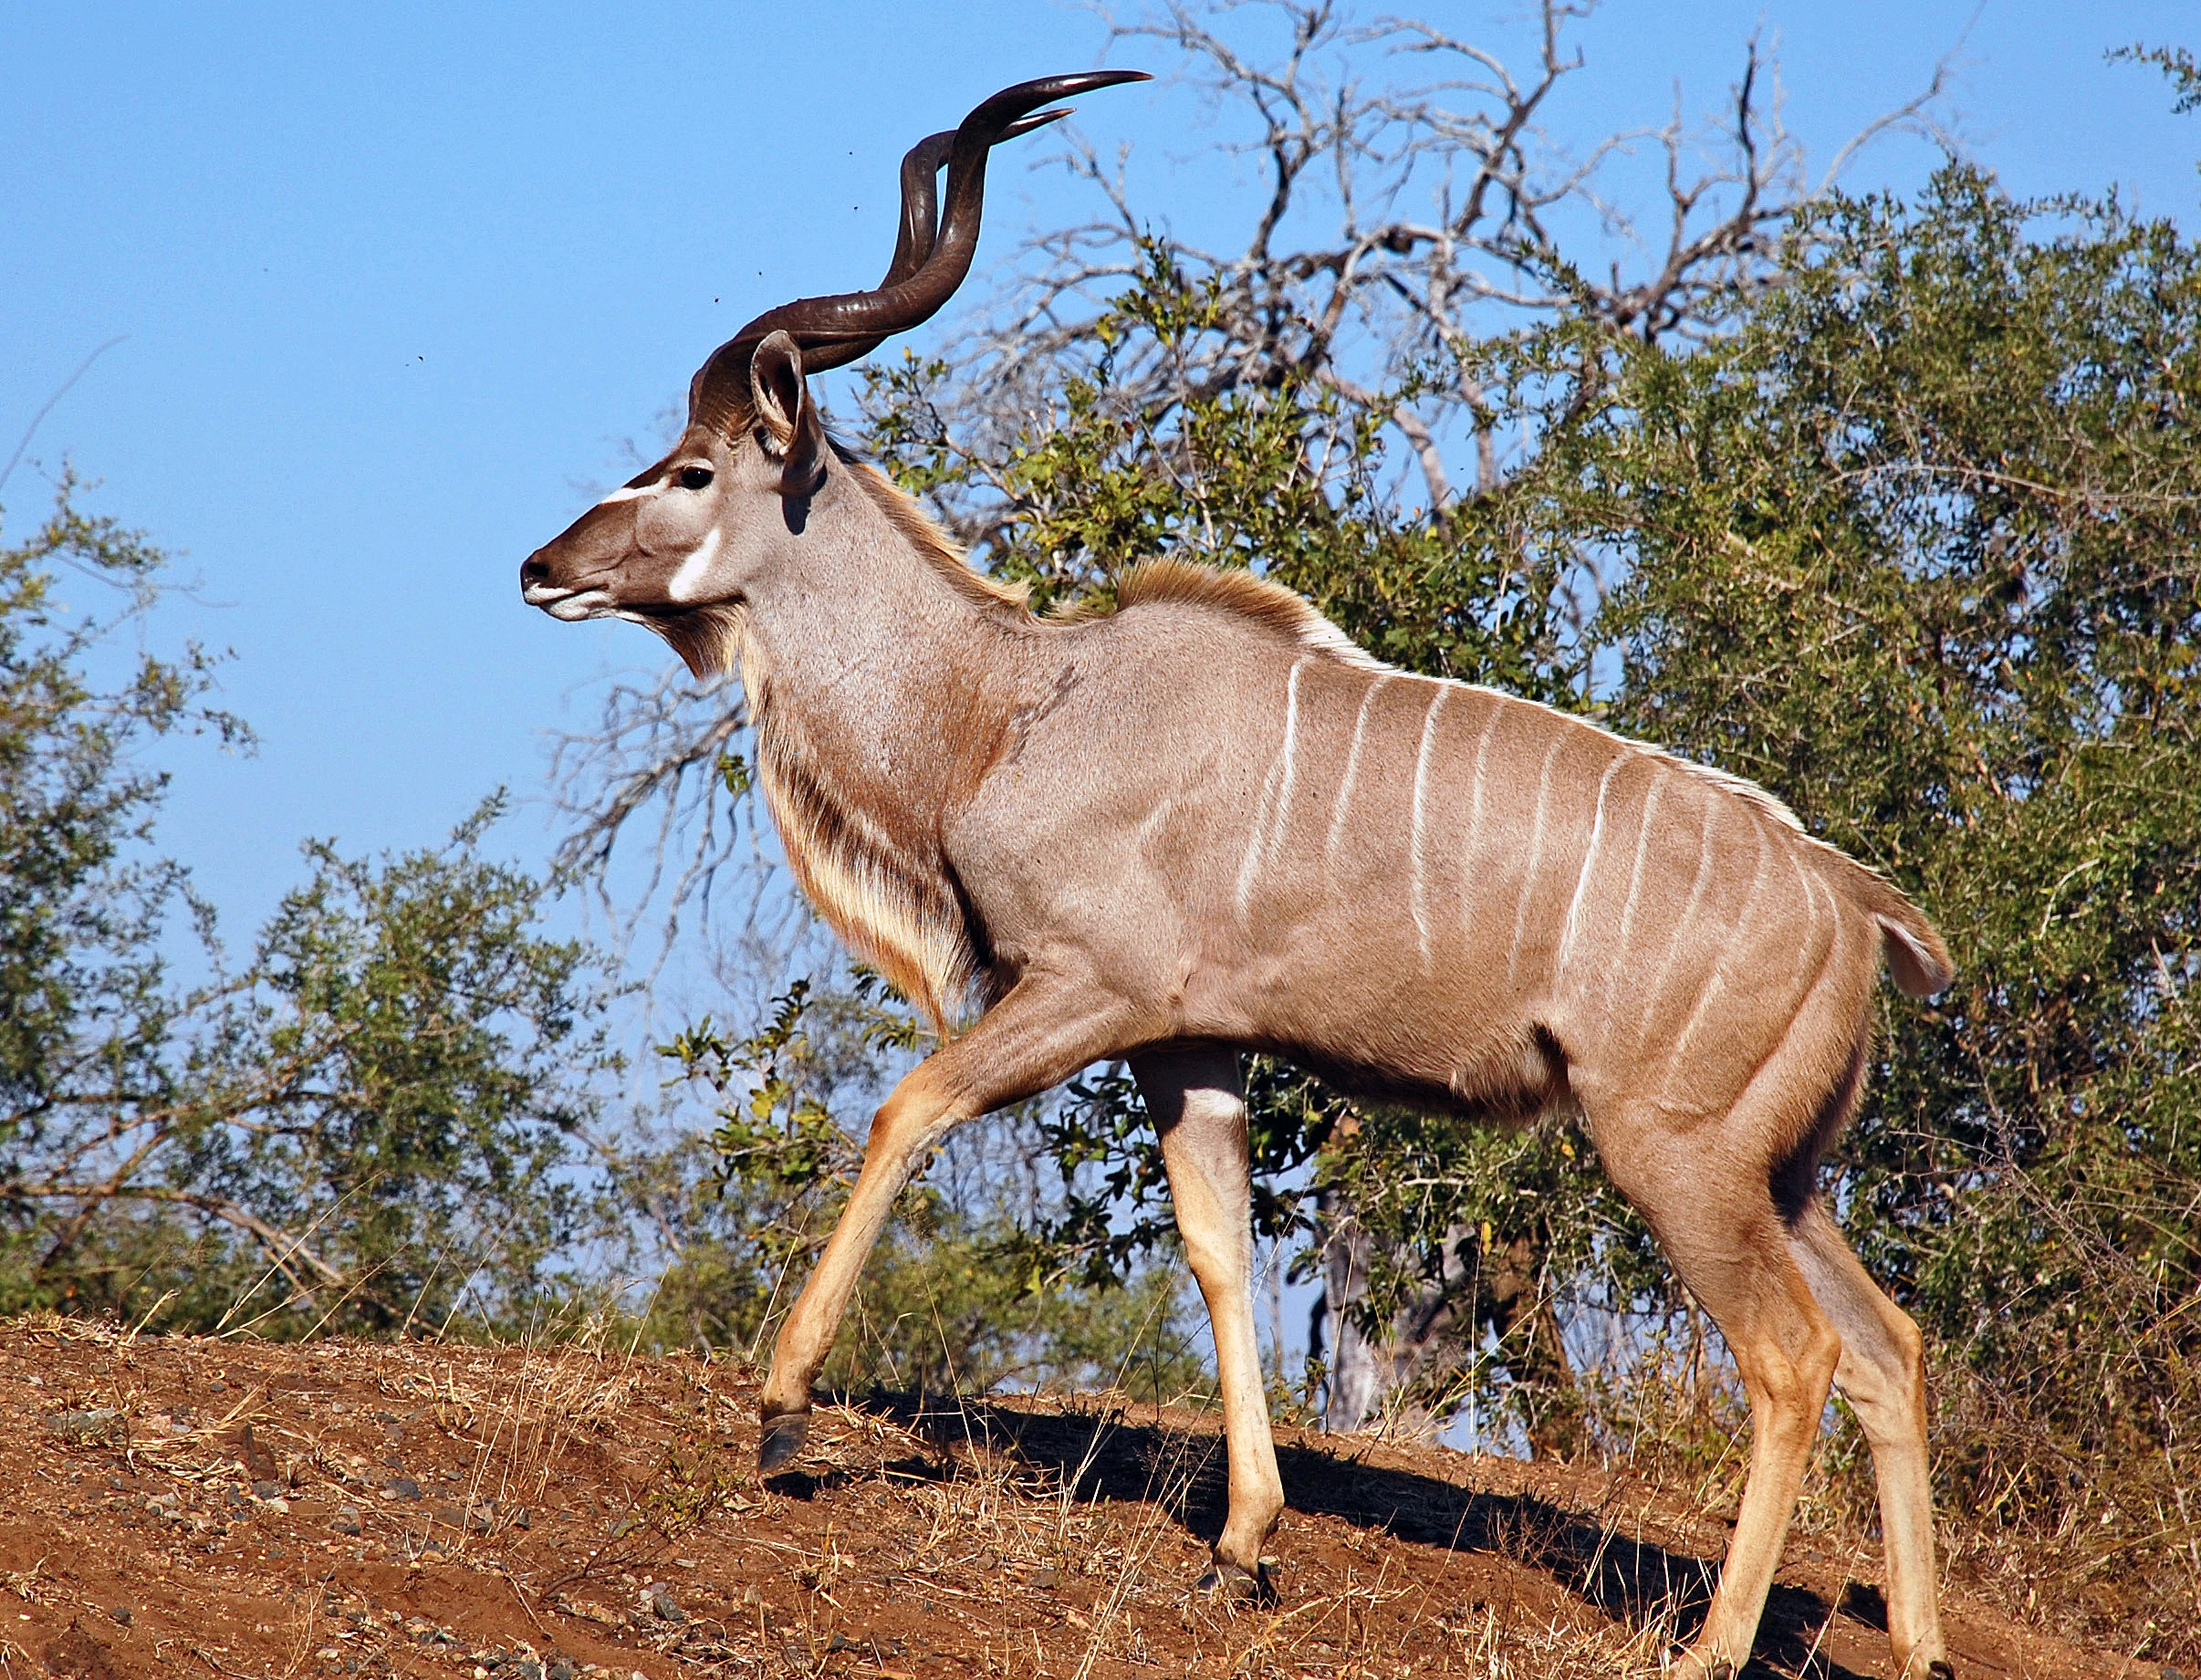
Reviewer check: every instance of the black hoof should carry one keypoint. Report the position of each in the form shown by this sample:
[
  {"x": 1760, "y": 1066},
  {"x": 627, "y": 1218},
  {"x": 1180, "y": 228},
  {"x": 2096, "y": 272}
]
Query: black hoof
[
  {"x": 1940, "y": 1671},
  {"x": 1228, "y": 1584},
  {"x": 782, "y": 1439}
]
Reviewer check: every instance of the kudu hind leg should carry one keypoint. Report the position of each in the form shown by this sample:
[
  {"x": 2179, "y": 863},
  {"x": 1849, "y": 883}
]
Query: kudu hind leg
[
  {"x": 1198, "y": 1107},
  {"x": 1881, "y": 1374},
  {"x": 1041, "y": 1033},
  {"x": 1719, "y": 1227}
]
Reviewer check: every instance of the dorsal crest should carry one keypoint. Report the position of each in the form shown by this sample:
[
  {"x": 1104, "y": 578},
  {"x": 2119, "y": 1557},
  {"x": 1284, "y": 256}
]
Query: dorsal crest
[{"x": 1270, "y": 606}]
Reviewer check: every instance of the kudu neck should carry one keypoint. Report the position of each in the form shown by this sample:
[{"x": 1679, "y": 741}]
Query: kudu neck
[{"x": 862, "y": 655}]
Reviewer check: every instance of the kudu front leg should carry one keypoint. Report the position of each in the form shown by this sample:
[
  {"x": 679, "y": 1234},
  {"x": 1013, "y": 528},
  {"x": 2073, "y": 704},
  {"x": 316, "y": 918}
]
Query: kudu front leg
[
  {"x": 1041, "y": 1033},
  {"x": 1198, "y": 1106}
]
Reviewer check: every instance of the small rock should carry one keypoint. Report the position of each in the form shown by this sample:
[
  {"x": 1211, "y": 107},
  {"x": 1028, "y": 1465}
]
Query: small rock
[
  {"x": 218, "y": 1387},
  {"x": 258, "y": 1461},
  {"x": 663, "y": 1607},
  {"x": 347, "y": 1520},
  {"x": 1047, "y": 1581},
  {"x": 560, "y": 1668},
  {"x": 120, "y": 1612},
  {"x": 98, "y": 1424},
  {"x": 267, "y": 1490},
  {"x": 520, "y": 1520},
  {"x": 401, "y": 1487}
]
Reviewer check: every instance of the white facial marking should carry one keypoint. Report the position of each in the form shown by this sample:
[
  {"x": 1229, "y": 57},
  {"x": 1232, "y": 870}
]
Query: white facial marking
[
  {"x": 629, "y": 494},
  {"x": 687, "y": 582}
]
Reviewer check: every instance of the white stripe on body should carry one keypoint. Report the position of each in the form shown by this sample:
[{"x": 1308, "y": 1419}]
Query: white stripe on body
[
  {"x": 1678, "y": 1054},
  {"x": 1803, "y": 873},
  {"x": 1420, "y": 824},
  {"x": 1291, "y": 768},
  {"x": 1635, "y": 883},
  {"x": 1675, "y": 946},
  {"x": 1352, "y": 770},
  {"x": 1535, "y": 850},
  {"x": 1276, "y": 796},
  {"x": 1475, "y": 795},
  {"x": 1573, "y": 925}
]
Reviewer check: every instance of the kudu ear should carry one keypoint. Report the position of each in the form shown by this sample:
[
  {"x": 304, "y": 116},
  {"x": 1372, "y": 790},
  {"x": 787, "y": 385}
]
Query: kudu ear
[{"x": 786, "y": 416}]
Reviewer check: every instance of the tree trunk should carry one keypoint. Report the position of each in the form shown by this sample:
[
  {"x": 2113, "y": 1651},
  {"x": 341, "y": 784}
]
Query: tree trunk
[{"x": 1435, "y": 1332}]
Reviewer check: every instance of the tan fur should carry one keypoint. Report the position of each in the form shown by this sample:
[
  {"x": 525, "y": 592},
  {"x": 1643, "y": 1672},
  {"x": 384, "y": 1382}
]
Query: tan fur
[{"x": 910, "y": 523}]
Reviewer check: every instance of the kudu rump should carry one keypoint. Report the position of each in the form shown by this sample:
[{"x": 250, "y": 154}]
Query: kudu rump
[{"x": 1206, "y": 823}]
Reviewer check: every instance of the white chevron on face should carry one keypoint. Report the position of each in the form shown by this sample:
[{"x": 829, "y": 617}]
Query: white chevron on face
[{"x": 686, "y": 584}]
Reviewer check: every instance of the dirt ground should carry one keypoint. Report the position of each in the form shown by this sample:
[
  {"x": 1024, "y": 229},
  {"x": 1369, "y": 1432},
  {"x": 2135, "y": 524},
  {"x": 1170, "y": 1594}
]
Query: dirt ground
[{"x": 187, "y": 1506}]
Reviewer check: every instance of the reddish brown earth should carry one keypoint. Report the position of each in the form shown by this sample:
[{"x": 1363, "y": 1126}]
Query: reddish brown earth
[{"x": 182, "y": 1507}]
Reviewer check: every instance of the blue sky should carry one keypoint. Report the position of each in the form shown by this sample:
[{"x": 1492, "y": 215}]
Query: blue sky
[{"x": 398, "y": 282}]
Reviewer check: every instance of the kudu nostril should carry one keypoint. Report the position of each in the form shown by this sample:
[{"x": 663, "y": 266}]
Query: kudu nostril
[{"x": 534, "y": 569}]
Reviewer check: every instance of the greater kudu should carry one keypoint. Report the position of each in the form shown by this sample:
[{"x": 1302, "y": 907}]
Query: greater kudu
[{"x": 1206, "y": 823}]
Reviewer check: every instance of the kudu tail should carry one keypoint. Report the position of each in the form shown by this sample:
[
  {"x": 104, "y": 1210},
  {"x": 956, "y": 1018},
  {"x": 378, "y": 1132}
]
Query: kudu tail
[{"x": 1917, "y": 960}]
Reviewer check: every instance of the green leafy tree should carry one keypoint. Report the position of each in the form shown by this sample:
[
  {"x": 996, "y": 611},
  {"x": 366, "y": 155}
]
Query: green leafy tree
[{"x": 369, "y": 1123}]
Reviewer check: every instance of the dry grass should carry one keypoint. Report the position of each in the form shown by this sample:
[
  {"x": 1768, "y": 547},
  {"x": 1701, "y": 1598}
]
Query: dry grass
[{"x": 415, "y": 1510}]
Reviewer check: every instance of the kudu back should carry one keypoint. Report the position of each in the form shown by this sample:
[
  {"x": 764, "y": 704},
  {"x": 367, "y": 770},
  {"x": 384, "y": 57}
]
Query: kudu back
[{"x": 1203, "y": 823}]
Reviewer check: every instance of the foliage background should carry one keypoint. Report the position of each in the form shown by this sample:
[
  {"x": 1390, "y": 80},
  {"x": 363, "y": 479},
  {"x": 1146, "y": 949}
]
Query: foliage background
[{"x": 1885, "y": 502}]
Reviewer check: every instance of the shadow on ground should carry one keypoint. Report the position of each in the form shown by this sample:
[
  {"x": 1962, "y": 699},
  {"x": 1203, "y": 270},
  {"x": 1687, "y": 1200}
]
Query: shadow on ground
[{"x": 1110, "y": 1457}]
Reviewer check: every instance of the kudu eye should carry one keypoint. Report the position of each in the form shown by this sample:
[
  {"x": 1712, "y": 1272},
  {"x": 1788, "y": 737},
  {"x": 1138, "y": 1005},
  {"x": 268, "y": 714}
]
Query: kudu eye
[{"x": 694, "y": 478}]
